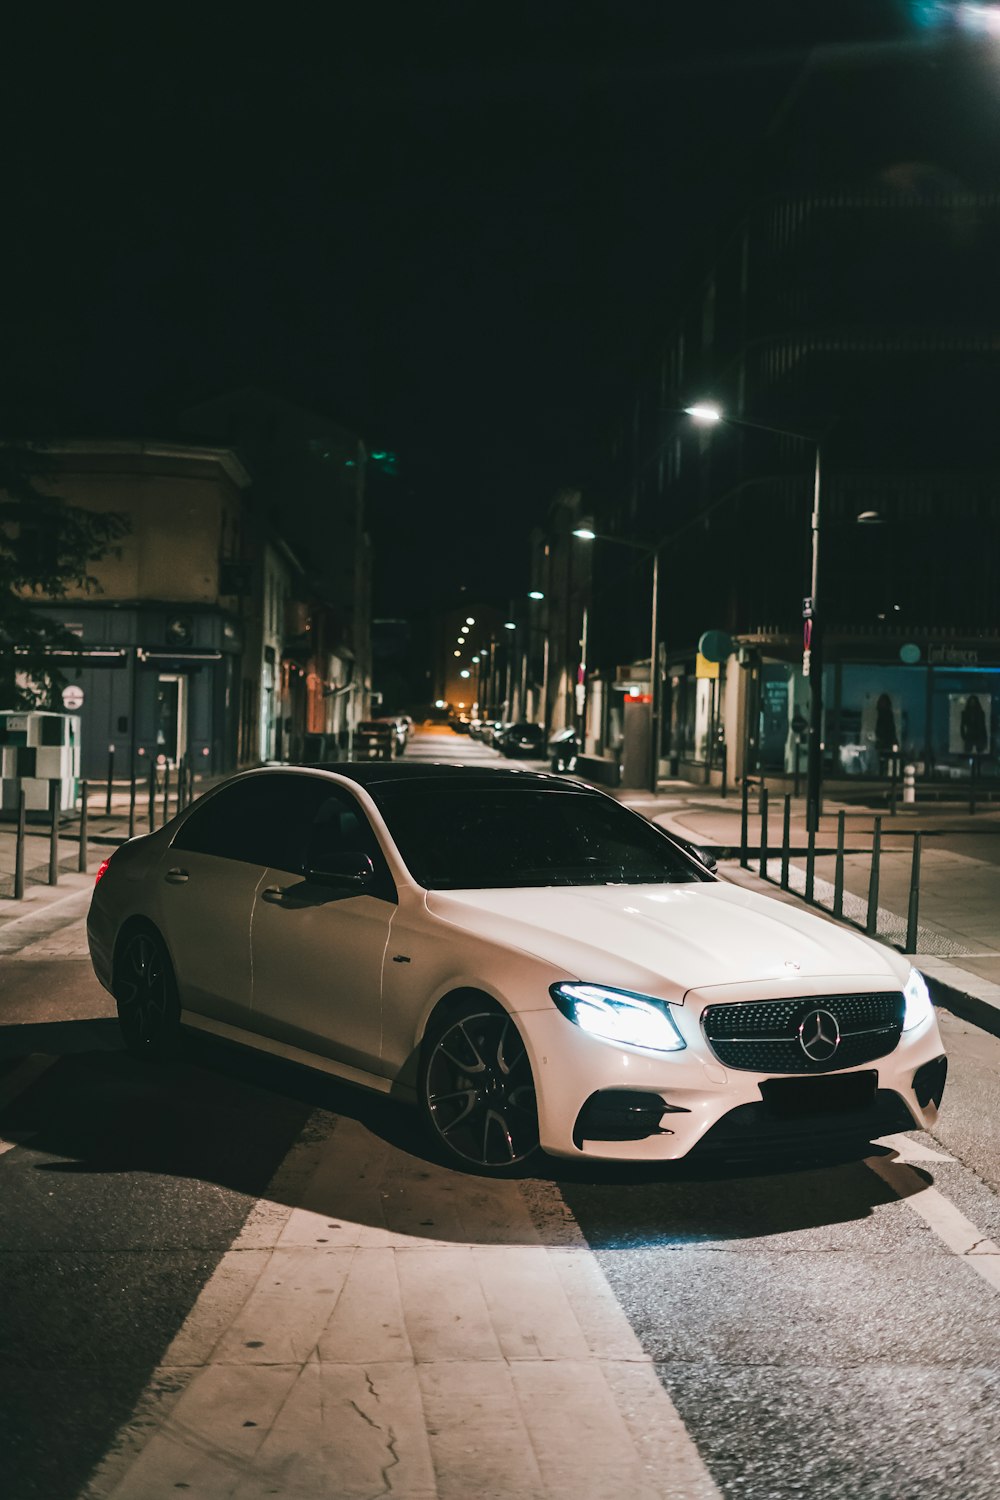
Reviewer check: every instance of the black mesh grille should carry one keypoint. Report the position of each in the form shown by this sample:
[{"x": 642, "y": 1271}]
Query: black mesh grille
[{"x": 762, "y": 1036}]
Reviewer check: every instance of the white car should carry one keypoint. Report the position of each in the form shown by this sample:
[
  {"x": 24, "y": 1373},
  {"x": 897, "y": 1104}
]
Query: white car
[{"x": 531, "y": 963}]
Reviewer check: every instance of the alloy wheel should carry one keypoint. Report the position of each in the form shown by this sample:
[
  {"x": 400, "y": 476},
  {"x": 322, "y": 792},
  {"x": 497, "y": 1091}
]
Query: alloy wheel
[
  {"x": 147, "y": 1009},
  {"x": 479, "y": 1094}
]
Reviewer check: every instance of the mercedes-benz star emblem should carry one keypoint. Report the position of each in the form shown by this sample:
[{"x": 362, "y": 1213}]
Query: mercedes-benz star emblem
[{"x": 819, "y": 1035}]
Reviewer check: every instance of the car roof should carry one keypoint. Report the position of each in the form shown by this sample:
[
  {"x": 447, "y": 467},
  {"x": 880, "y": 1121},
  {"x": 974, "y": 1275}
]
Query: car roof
[{"x": 369, "y": 773}]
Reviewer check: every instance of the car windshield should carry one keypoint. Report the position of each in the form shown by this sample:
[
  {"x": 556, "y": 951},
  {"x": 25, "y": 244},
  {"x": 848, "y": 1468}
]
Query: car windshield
[{"x": 454, "y": 837}]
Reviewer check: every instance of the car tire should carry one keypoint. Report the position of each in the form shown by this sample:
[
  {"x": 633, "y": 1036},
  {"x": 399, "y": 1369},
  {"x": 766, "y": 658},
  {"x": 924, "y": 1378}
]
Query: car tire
[
  {"x": 146, "y": 995},
  {"x": 477, "y": 1092}
]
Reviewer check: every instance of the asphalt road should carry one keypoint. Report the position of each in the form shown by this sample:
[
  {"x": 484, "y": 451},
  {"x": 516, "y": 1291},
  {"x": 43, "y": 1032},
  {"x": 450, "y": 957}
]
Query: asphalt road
[{"x": 821, "y": 1328}]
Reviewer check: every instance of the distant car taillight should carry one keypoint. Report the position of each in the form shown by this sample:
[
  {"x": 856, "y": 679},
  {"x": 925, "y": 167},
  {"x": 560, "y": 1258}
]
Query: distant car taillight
[{"x": 100, "y": 870}]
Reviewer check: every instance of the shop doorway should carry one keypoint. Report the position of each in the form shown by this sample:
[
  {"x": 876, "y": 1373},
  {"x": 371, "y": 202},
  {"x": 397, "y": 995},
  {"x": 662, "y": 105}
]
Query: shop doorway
[{"x": 171, "y": 717}]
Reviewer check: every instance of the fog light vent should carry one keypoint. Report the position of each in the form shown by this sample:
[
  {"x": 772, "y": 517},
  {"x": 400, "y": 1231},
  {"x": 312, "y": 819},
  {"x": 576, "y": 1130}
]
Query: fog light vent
[
  {"x": 928, "y": 1082},
  {"x": 622, "y": 1115}
]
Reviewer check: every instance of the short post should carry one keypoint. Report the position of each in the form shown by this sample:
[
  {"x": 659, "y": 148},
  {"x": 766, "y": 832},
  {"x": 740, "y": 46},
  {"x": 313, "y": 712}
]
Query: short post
[
  {"x": 893, "y": 785},
  {"x": 745, "y": 827},
  {"x": 763, "y": 833},
  {"x": 166, "y": 790},
  {"x": 131, "y": 806},
  {"x": 838, "y": 869},
  {"x": 911, "y": 916},
  {"x": 111, "y": 777},
  {"x": 19, "y": 848},
  {"x": 152, "y": 794},
  {"x": 54, "y": 833},
  {"x": 871, "y": 925},
  {"x": 84, "y": 798},
  {"x": 810, "y": 863},
  {"x": 972, "y": 784},
  {"x": 190, "y": 787},
  {"x": 786, "y": 838},
  {"x": 181, "y": 781}
]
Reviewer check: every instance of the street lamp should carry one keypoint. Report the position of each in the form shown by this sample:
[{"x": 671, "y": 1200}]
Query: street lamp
[
  {"x": 708, "y": 413},
  {"x": 586, "y": 533}
]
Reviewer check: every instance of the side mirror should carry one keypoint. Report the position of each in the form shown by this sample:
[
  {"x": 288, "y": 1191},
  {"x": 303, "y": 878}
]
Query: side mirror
[{"x": 350, "y": 869}]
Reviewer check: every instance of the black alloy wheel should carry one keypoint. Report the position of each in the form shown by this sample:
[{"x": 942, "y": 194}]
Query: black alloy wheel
[
  {"x": 477, "y": 1092},
  {"x": 148, "y": 1011}
]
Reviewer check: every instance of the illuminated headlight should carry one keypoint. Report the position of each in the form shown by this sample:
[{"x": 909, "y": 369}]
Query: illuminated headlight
[
  {"x": 918, "y": 1001},
  {"x": 619, "y": 1016}
]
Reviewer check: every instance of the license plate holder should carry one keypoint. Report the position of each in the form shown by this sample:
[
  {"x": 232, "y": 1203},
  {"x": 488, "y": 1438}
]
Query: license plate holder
[{"x": 801, "y": 1098}]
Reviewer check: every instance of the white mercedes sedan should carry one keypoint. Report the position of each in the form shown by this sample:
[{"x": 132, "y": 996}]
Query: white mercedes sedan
[{"x": 532, "y": 964}]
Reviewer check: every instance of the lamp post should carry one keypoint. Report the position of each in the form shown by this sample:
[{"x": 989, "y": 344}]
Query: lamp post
[
  {"x": 707, "y": 413},
  {"x": 586, "y": 533}
]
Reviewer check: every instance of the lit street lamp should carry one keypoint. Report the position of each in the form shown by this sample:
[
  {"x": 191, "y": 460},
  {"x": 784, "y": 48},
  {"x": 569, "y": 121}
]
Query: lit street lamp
[
  {"x": 707, "y": 413},
  {"x": 586, "y": 533}
]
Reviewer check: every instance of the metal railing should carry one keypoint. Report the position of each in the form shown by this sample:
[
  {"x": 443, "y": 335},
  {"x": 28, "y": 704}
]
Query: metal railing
[{"x": 37, "y": 836}]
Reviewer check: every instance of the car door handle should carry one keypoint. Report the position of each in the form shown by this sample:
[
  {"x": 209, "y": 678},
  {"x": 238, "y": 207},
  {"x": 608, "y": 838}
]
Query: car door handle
[
  {"x": 273, "y": 893},
  {"x": 176, "y": 876}
]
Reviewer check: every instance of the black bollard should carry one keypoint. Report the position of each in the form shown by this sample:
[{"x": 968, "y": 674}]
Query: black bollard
[
  {"x": 84, "y": 797},
  {"x": 871, "y": 924},
  {"x": 19, "y": 848},
  {"x": 911, "y": 916}
]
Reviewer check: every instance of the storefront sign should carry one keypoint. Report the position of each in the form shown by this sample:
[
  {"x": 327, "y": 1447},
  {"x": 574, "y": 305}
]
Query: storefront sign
[{"x": 953, "y": 656}]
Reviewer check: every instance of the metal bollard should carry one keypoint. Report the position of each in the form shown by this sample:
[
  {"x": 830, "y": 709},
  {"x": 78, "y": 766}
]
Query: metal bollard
[
  {"x": 84, "y": 797},
  {"x": 810, "y": 863},
  {"x": 745, "y": 827},
  {"x": 111, "y": 777},
  {"x": 53, "y": 833},
  {"x": 763, "y": 833},
  {"x": 909, "y": 783},
  {"x": 838, "y": 869},
  {"x": 19, "y": 848},
  {"x": 152, "y": 795},
  {"x": 871, "y": 923},
  {"x": 911, "y": 915},
  {"x": 131, "y": 807},
  {"x": 786, "y": 838},
  {"x": 166, "y": 790}
]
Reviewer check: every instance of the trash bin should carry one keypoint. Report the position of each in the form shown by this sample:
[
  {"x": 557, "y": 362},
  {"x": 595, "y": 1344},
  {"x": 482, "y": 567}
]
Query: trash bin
[{"x": 564, "y": 748}]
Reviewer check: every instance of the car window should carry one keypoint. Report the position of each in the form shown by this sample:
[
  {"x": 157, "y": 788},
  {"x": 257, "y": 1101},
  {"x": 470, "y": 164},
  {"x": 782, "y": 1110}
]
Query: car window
[
  {"x": 241, "y": 821},
  {"x": 284, "y": 822},
  {"x": 454, "y": 837}
]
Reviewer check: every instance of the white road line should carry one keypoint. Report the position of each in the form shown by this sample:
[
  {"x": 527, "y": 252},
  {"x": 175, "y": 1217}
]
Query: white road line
[
  {"x": 20, "y": 1079},
  {"x": 381, "y": 1324},
  {"x": 951, "y": 1227},
  {"x": 909, "y": 1150}
]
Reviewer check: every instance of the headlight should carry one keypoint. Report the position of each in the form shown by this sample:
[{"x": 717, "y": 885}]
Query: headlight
[
  {"x": 918, "y": 1001},
  {"x": 619, "y": 1016}
]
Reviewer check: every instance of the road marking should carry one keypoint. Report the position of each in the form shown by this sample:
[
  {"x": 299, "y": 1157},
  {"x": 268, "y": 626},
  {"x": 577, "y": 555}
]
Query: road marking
[
  {"x": 951, "y": 1227},
  {"x": 373, "y": 1354},
  {"x": 22, "y": 1077},
  {"x": 910, "y": 1150}
]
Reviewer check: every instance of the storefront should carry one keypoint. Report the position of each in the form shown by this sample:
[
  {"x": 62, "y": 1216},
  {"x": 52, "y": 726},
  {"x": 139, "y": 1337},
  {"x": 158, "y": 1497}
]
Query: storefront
[{"x": 938, "y": 710}]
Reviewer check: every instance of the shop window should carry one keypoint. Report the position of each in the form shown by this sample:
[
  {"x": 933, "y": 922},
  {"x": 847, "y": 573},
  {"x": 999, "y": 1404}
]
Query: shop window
[{"x": 882, "y": 713}]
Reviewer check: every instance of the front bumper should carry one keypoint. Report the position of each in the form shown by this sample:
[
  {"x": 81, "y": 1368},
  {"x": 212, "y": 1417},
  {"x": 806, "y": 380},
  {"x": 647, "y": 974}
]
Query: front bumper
[{"x": 707, "y": 1105}]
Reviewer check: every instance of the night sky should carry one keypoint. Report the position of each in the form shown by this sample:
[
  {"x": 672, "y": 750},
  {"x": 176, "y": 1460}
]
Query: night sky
[{"x": 445, "y": 225}]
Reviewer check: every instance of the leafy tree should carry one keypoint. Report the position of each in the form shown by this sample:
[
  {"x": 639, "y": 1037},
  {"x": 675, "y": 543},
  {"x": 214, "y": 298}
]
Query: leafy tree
[{"x": 46, "y": 547}]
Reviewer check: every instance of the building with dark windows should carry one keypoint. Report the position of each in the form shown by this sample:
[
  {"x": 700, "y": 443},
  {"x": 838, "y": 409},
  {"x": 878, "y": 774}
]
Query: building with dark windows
[
  {"x": 861, "y": 320},
  {"x": 162, "y": 635}
]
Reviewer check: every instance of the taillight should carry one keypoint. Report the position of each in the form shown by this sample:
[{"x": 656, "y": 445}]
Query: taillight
[{"x": 100, "y": 871}]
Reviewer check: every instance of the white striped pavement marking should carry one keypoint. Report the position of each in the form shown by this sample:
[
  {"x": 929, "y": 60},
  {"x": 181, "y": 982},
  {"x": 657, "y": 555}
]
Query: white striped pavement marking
[{"x": 951, "y": 1227}]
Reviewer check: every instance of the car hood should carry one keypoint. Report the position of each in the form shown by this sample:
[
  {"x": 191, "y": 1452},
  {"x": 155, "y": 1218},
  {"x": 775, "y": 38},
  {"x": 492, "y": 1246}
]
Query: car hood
[{"x": 670, "y": 939}]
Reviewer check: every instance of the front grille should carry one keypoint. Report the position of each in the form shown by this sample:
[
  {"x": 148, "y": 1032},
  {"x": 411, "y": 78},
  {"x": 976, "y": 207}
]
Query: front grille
[{"x": 762, "y": 1036}]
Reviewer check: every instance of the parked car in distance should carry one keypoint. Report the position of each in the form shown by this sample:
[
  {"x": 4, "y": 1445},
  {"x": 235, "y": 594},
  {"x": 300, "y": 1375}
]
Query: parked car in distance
[
  {"x": 460, "y": 723},
  {"x": 529, "y": 962},
  {"x": 375, "y": 739},
  {"x": 523, "y": 739}
]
